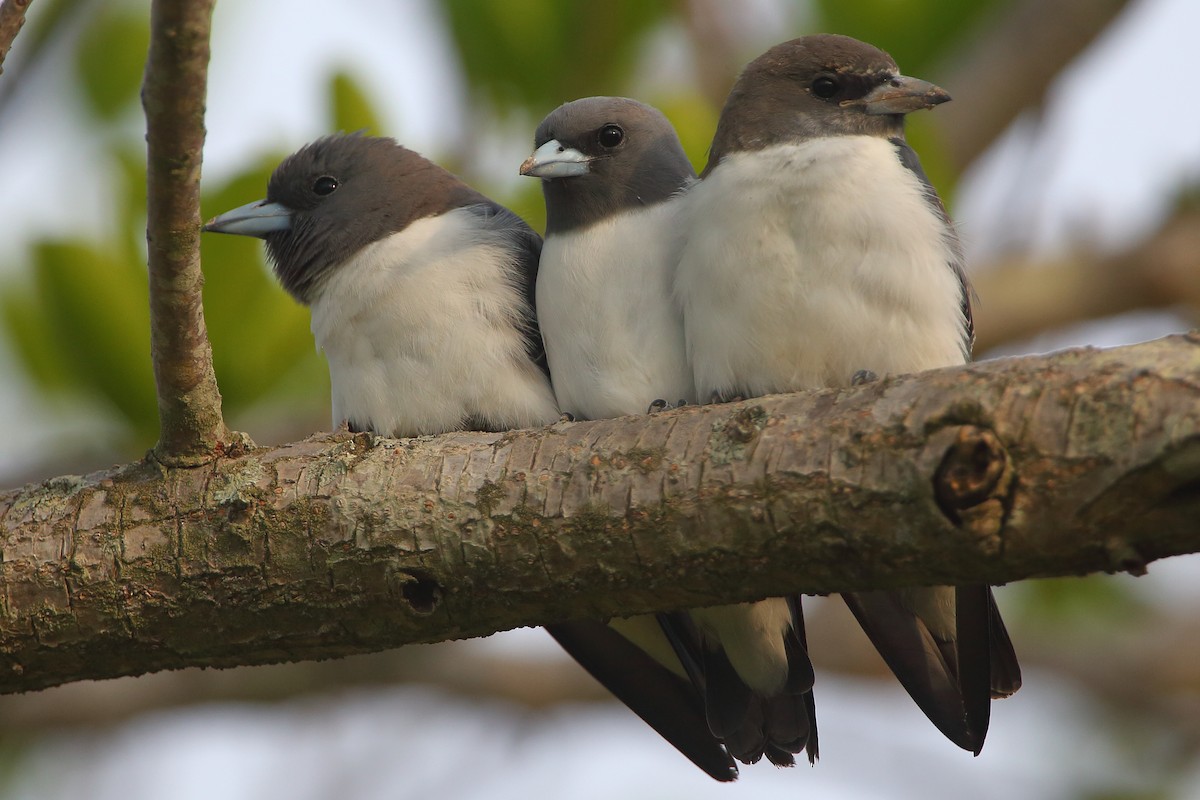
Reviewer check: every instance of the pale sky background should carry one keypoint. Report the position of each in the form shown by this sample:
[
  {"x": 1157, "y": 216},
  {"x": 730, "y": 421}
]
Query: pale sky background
[{"x": 1120, "y": 134}]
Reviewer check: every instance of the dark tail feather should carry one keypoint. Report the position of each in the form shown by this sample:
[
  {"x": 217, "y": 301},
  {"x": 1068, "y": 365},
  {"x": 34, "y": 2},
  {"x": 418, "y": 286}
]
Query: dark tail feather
[
  {"x": 748, "y": 724},
  {"x": 661, "y": 698},
  {"x": 810, "y": 703},
  {"x": 800, "y": 669},
  {"x": 915, "y": 657},
  {"x": 730, "y": 707},
  {"x": 1006, "y": 672},
  {"x": 972, "y": 622}
]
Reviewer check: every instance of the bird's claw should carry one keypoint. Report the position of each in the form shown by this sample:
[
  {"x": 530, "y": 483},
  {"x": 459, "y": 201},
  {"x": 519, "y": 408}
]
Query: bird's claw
[
  {"x": 863, "y": 376},
  {"x": 721, "y": 397},
  {"x": 663, "y": 405}
]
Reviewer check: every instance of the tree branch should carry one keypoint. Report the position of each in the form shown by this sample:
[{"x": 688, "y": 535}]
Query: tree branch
[
  {"x": 12, "y": 17},
  {"x": 1021, "y": 298},
  {"x": 1009, "y": 66},
  {"x": 1084, "y": 461},
  {"x": 173, "y": 96}
]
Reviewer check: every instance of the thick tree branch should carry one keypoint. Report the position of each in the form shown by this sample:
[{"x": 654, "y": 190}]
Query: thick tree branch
[
  {"x": 12, "y": 17},
  {"x": 173, "y": 96},
  {"x": 1085, "y": 461}
]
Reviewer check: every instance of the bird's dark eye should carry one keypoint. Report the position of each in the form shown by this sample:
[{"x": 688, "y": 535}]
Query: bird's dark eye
[
  {"x": 825, "y": 87},
  {"x": 325, "y": 185},
  {"x": 610, "y": 136}
]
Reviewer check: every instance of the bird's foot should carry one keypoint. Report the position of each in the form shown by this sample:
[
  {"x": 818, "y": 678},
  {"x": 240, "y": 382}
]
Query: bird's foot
[
  {"x": 566, "y": 416},
  {"x": 663, "y": 405},
  {"x": 863, "y": 376},
  {"x": 719, "y": 396}
]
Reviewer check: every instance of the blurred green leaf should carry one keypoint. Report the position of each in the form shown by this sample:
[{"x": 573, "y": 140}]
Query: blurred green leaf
[
  {"x": 29, "y": 332},
  {"x": 130, "y": 199},
  {"x": 352, "y": 109},
  {"x": 695, "y": 119},
  {"x": 538, "y": 54},
  {"x": 920, "y": 133},
  {"x": 110, "y": 59},
  {"x": 916, "y": 32},
  {"x": 99, "y": 320},
  {"x": 1093, "y": 602}
]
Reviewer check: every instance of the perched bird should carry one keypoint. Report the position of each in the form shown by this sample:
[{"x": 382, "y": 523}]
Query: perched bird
[
  {"x": 815, "y": 249},
  {"x": 612, "y": 171},
  {"x": 614, "y": 339},
  {"x": 421, "y": 289}
]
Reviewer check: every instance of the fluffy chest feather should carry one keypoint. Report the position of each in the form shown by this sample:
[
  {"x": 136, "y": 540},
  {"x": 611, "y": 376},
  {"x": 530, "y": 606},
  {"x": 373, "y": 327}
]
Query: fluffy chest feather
[
  {"x": 614, "y": 339},
  {"x": 422, "y": 334},
  {"x": 807, "y": 262}
]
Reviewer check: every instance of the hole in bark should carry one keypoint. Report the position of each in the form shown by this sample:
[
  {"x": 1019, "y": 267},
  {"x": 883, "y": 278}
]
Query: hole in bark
[{"x": 422, "y": 593}]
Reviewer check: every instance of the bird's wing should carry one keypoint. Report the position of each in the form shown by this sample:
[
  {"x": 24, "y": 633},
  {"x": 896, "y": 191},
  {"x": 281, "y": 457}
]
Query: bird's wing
[
  {"x": 527, "y": 252},
  {"x": 910, "y": 161}
]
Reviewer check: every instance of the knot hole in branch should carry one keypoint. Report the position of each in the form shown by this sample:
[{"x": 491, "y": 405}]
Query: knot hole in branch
[
  {"x": 421, "y": 591},
  {"x": 973, "y": 482}
]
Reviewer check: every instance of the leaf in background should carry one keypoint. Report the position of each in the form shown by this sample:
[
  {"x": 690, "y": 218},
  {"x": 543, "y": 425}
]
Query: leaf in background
[
  {"x": 1088, "y": 604},
  {"x": 99, "y": 321},
  {"x": 695, "y": 119},
  {"x": 110, "y": 59},
  {"x": 920, "y": 133},
  {"x": 351, "y": 109},
  {"x": 539, "y": 53},
  {"x": 28, "y": 330},
  {"x": 916, "y": 32},
  {"x": 129, "y": 195}
]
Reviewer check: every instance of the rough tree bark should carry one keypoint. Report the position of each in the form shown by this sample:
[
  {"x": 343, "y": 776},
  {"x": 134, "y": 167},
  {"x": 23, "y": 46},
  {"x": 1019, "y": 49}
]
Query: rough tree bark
[{"x": 1084, "y": 461}]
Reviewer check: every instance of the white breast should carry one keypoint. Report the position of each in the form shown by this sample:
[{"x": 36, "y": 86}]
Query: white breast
[
  {"x": 421, "y": 331},
  {"x": 805, "y": 263},
  {"x": 614, "y": 339}
]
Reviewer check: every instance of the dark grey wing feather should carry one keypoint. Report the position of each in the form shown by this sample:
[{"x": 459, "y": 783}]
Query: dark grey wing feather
[
  {"x": 666, "y": 702},
  {"x": 908, "y": 158},
  {"x": 527, "y": 251}
]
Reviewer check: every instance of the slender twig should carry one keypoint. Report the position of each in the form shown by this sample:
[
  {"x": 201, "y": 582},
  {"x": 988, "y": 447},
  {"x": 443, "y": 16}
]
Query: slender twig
[
  {"x": 173, "y": 95},
  {"x": 12, "y": 17}
]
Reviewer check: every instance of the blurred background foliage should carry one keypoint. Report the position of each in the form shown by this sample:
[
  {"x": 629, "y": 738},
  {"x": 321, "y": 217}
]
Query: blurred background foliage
[{"x": 77, "y": 321}]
